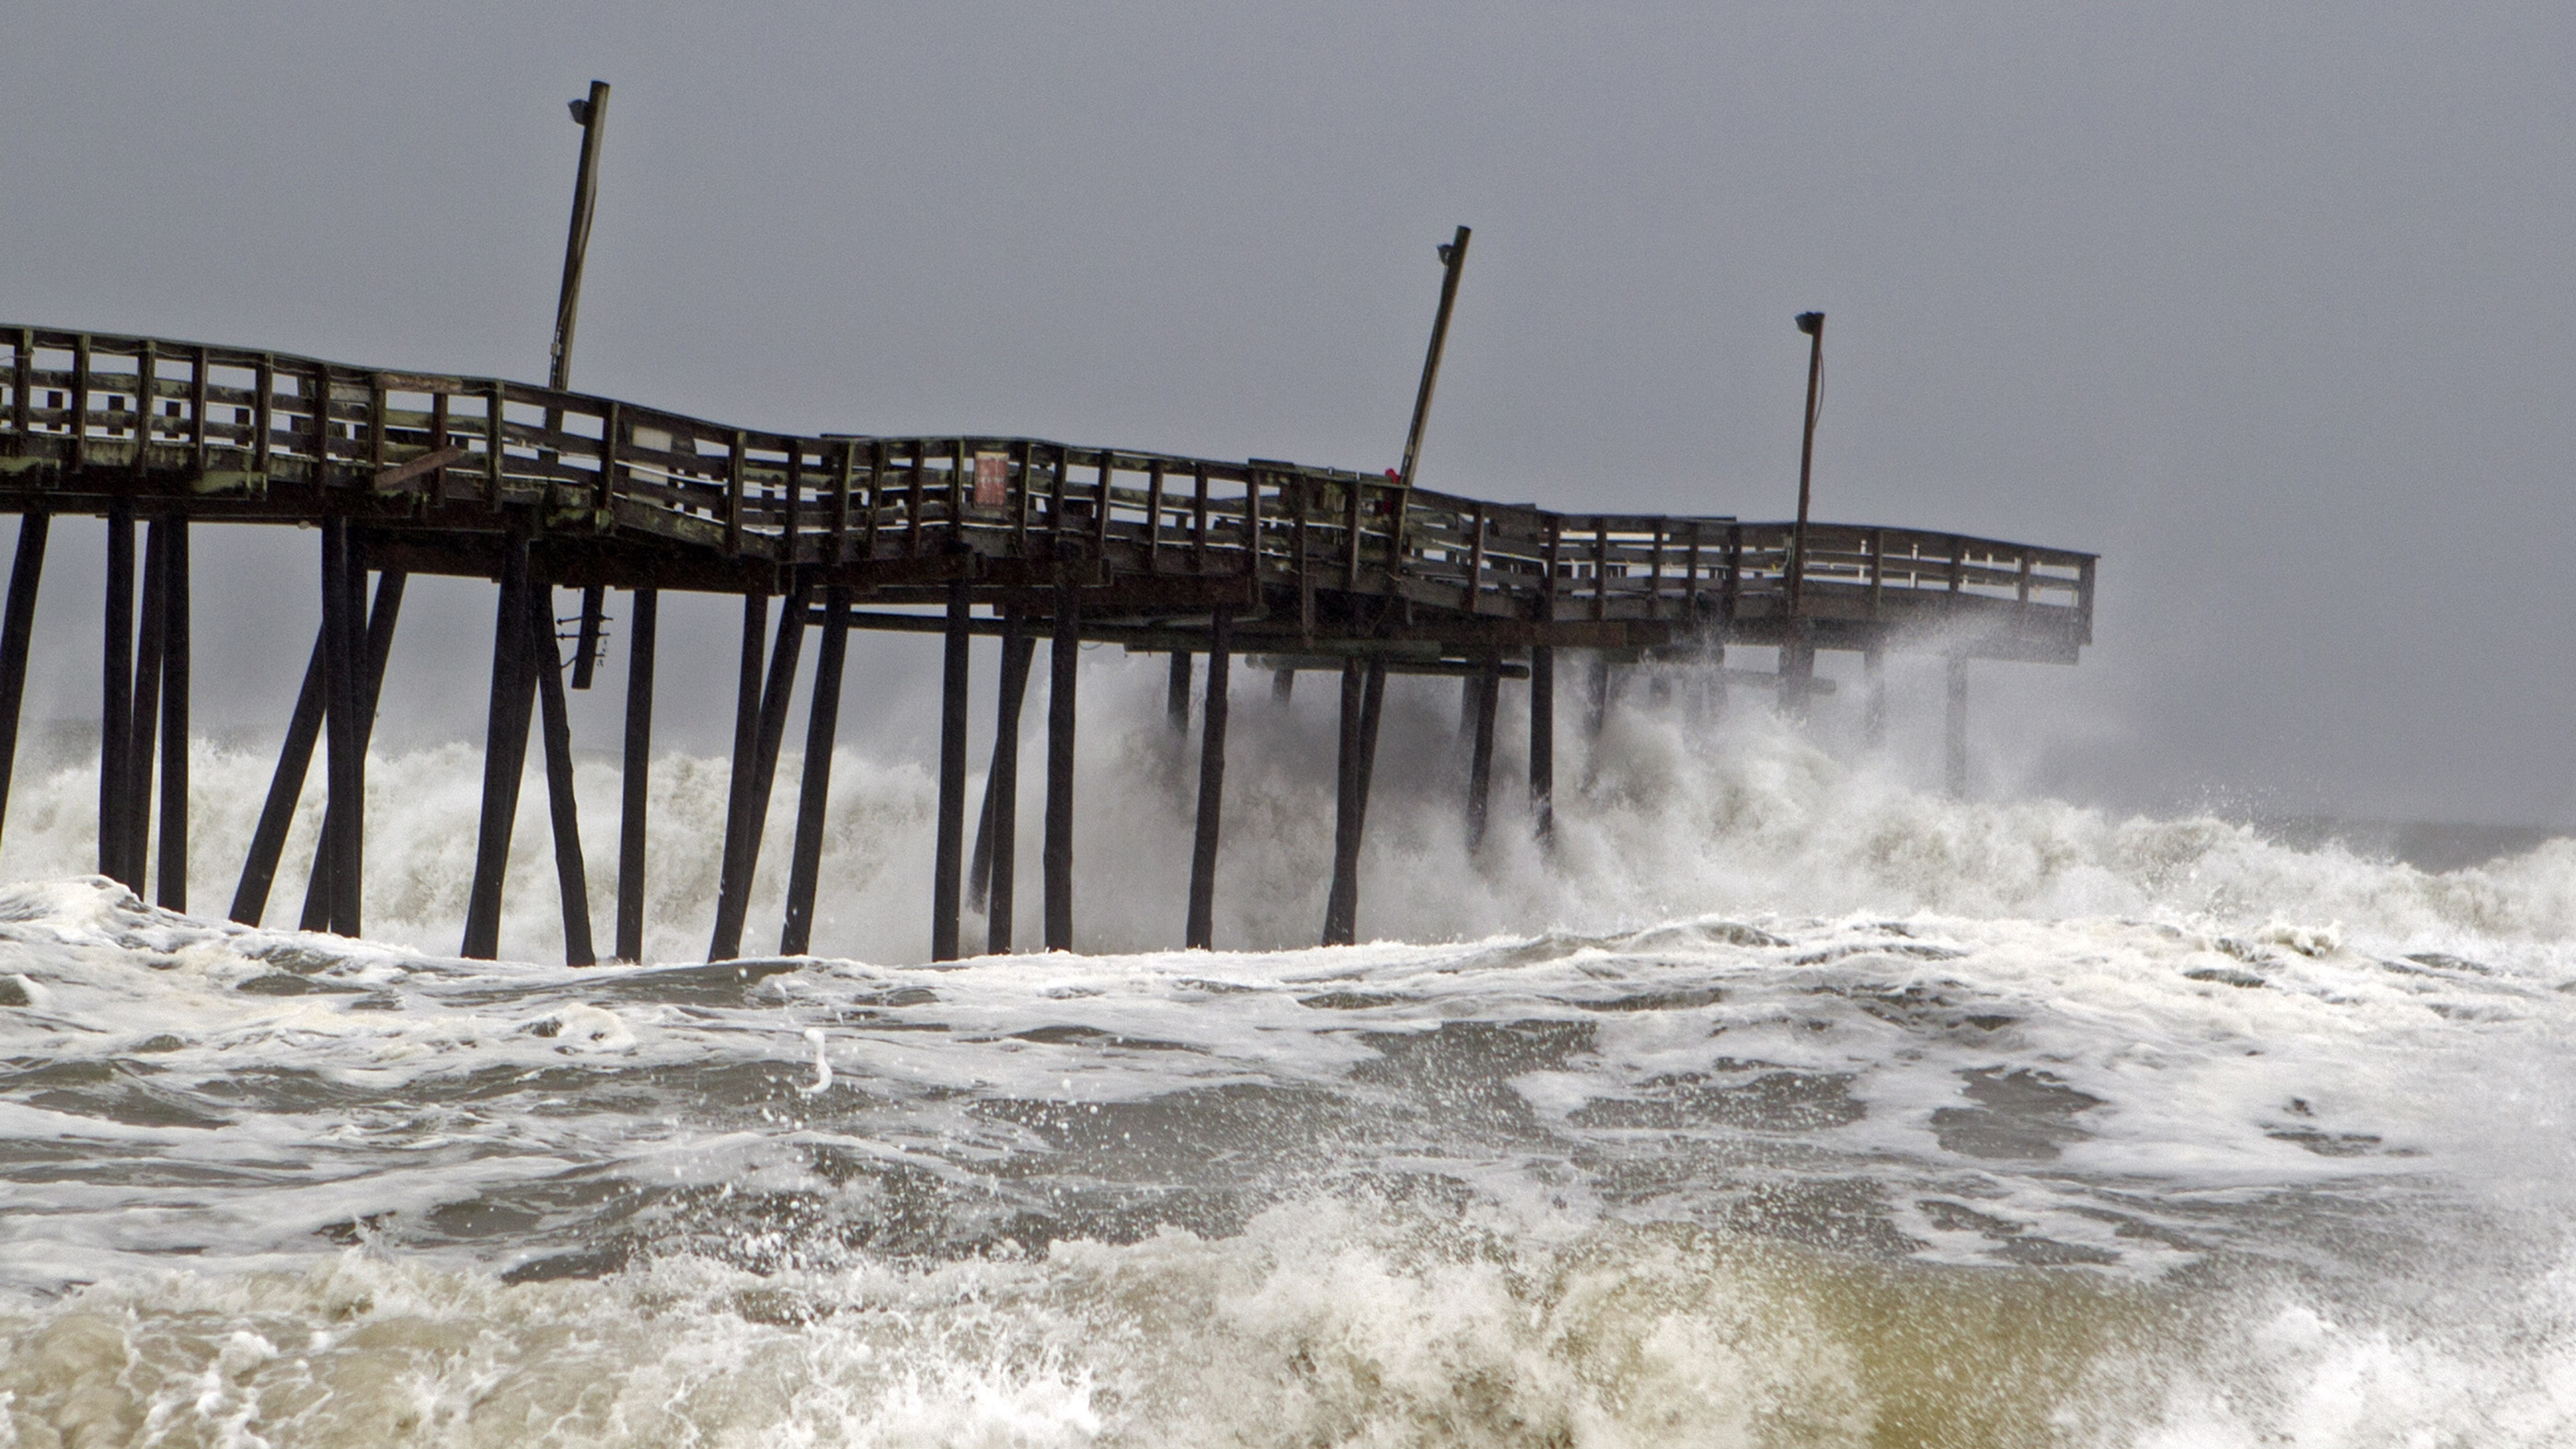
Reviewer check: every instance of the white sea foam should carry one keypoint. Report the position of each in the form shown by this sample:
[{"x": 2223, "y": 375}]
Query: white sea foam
[
  {"x": 1782, "y": 1106},
  {"x": 1666, "y": 816}
]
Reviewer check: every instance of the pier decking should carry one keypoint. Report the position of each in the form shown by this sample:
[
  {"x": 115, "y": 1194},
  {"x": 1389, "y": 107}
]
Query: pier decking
[{"x": 1028, "y": 539}]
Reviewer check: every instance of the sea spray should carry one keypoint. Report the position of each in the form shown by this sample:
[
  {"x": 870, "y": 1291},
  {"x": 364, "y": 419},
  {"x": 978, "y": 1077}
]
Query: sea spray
[{"x": 1783, "y": 1106}]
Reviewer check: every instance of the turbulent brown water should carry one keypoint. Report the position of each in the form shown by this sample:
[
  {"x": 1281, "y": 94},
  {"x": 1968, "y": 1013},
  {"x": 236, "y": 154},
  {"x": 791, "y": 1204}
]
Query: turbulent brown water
[{"x": 1784, "y": 1106}]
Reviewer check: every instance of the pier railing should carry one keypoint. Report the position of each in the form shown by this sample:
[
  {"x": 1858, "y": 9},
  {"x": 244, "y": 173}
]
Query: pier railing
[{"x": 237, "y": 422}]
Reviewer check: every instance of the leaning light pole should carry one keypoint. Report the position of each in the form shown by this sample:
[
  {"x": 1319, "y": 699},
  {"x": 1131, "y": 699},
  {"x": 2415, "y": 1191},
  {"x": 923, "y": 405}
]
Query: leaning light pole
[{"x": 1797, "y": 656}]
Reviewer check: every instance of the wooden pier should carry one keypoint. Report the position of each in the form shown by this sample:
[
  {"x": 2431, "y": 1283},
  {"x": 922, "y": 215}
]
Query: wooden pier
[{"x": 1029, "y": 540}]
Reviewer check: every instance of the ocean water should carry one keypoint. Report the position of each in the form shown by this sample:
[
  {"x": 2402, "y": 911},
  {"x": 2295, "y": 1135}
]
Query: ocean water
[{"x": 1780, "y": 1104}]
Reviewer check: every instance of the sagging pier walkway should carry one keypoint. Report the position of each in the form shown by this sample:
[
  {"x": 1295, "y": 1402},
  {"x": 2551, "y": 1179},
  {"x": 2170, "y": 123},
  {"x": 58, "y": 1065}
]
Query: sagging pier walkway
[{"x": 540, "y": 489}]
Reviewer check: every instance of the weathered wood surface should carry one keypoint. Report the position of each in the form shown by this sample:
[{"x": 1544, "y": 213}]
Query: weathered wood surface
[{"x": 439, "y": 473}]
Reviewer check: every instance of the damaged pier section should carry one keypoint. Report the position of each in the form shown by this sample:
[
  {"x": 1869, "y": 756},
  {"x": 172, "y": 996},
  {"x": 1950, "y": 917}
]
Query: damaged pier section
[{"x": 1292, "y": 566}]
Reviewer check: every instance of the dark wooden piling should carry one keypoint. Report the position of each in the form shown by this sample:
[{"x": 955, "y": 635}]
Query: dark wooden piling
[
  {"x": 379, "y": 643},
  {"x": 505, "y": 755},
  {"x": 1542, "y": 742},
  {"x": 1176, "y": 693},
  {"x": 993, "y": 872},
  {"x": 1341, "y": 905},
  {"x": 814, "y": 782},
  {"x": 343, "y": 828},
  {"x": 116, "y": 692},
  {"x": 1064, "y": 668},
  {"x": 947, "y": 865},
  {"x": 635, "y": 764},
  {"x": 1200, "y": 931},
  {"x": 585, "y": 655},
  {"x": 1283, "y": 686},
  {"x": 563, "y": 813},
  {"x": 143, "y": 731},
  {"x": 17, "y": 632},
  {"x": 295, "y": 760},
  {"x": 1485, "y": 687},
  {"x": 1954, "y": 754},
  {"x": 172, "y": 891},
  {"x": 733, "y": 898},
  {"x": 746, "y": 752}
]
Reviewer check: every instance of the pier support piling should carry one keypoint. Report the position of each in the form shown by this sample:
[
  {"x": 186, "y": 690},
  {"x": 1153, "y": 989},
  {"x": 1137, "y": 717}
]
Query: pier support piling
[
  {"x": 505, "y": 754},
  {"x": 144, "y": 737},
  {"x": 572, "y": 875},
  {"x": 295, "y": 760},
  {"x": 17, "y": 632},
  {"x": 172, "y": 886},
  {"x": 992, "y": 875},
  {"x": 1363, "y": 699},
  {"x": 634, "y": 765},
  {"x": 814, "y": 779},
  {"x": 1064, "y": 670},
  {"x": 1484, "y": 688},
  {"x": 116, "y": 692},
  {"x": 1542, "y": 742},
  {"x": 379, "y": 643},
  {"x": 343, "y": 829},
  {"x": 751, "y": 796},
  {"x": 1200, "y": 932},
  {"x": 947, "y": 862}
]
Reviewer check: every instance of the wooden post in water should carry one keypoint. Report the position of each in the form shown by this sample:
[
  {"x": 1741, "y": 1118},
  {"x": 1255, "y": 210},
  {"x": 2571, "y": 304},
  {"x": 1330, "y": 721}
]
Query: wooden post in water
[
  {"x": 814, "y": 780},
  {"x": 144, "y": 730},
  {"x": 1199, "y": 934},
  {"x": 295, "y": 760},
  {"x": 635, "y": 765},
  {"x": 116, "y": 692},
  {"x": 1363, "y": 698},
  {"x": 505, "y": 754},
  {"x": 1485, "y": 688},
  {"x": 572, "y": 874},
  {"x": 1542, "y": 743},
  {"x": 343, "y": 830},
  {"x": 379, "y": 643},
  {"x": 1064, "y": 670},
  {"x": 733, "y": 896},
  {"x": 1283, "y": 686},
  {"x": 1954, "y": 755},
  {"x": 172, "y": 891},
  {"x": 746, "y": 751},
  {"x": 993, "y": 873},
  {"x": 947, "y": 865},
  {"x": 17, "y": 631}
]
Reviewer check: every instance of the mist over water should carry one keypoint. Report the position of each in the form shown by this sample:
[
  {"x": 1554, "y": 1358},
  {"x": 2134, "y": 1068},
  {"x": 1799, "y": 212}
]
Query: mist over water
[{"x": 1780, "y": 1104}]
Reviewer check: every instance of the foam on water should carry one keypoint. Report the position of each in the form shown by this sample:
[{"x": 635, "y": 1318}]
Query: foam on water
[{"x": 1783, "y": 1106}]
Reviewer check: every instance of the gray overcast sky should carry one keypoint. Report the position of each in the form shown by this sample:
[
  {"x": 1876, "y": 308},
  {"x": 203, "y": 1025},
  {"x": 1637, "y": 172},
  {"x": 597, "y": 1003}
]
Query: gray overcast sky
[{"x": 2267, "y": 304}]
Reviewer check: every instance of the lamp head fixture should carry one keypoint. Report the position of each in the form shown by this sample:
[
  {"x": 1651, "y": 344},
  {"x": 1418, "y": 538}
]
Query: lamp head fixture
[
  {"x": 580, "y": 112},
  {"x": 1811, "y": 323}
]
